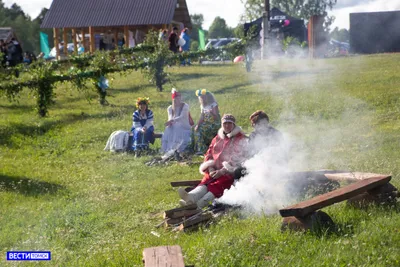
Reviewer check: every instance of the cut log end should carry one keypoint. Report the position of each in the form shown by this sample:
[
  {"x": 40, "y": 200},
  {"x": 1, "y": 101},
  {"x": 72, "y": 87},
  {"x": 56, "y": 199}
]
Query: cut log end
[{"x": 314, "y": 222}]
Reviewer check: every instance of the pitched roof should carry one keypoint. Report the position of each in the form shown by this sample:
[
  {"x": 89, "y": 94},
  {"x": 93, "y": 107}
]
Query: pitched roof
[
  {"x": 6, "y": 33},
  {"x": 106, "y": 13}
]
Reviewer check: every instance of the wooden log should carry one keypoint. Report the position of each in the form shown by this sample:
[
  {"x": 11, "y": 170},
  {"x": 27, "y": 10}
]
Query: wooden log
[
  {"x": 352, "y": 176},
  {"x": 163, "y": 256},
  {"x": 173, "y": 221},
  {"x": 168, "y": 213},
  {"x": 185, "y": 183},
  {"x": 303, "y": 208},
  {"x": 313, "y": 222},
  {"x": 196, "y": 221},
  {"x": 182, "y": 213},
  {"x": 385, "y": 194}
]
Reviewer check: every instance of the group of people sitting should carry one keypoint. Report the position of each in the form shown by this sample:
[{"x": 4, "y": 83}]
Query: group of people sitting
[
  {"x": 181, "y": 133},
  {"x": 225, "y": 144}
]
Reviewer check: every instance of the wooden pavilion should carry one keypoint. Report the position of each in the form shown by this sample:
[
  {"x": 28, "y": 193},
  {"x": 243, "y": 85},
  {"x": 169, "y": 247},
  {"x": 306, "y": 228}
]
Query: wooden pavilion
[{"x": 81, "y": 18}]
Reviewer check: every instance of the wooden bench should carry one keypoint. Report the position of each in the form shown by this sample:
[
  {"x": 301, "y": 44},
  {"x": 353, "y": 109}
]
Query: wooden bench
[
  {"x": 164, "y": 256},
  {"x": 301, "y": 215},
  {"x": 306, "y": 207}
]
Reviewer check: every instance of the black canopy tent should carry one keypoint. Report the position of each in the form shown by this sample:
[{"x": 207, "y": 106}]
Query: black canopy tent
[{"x": 296, "y": 28}]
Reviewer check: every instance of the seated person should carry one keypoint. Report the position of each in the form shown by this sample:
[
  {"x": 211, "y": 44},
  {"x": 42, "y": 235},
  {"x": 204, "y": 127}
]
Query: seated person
[
  {"x": 264, "y": 134},
  {"x": 178, "y": 130},
  {"x": 142, "y": 129},
  {"x": 209, "y": 122},
  {"x": 225, "y": 153},
  {"x": 263, "y": 137}
]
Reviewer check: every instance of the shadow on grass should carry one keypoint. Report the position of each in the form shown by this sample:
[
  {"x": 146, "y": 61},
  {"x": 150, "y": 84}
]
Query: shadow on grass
[
  {"x": 16, "y": 107},
  {"x": 234, "y": 87},
  {"x": 190, "y": 76},
  {"x": 39, "y": 129},
  {"x": 133, "y": 89},
  {"x": 26, "y": 186},
  {"x": 275, "y": 75}
]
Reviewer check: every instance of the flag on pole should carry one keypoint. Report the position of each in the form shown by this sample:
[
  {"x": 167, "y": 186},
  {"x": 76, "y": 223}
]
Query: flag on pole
[
  {"x": 44, "y": 44},
  {"x": 202, "y": 40}
]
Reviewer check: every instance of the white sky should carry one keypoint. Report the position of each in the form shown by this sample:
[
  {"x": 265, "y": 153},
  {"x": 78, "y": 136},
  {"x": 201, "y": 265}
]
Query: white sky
[{"x": 231, "y": 10}]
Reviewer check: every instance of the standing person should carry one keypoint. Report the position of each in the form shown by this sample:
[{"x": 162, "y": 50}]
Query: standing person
[
  {"x": 186, "y": 47},
  {"x": 209, "y": 122},
  {"x": 173, "y": 40},
  {"x": 142, "y": 129},
  {"x": 225, "y": 154},
  {"x": 178, "y": 129},
  {"x": 163, "y": 36}
]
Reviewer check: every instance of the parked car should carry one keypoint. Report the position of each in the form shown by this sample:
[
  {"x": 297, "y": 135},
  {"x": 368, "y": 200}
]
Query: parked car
[
  {"x": 219, "y": 43},
  {"x": 215, "y": 43}
]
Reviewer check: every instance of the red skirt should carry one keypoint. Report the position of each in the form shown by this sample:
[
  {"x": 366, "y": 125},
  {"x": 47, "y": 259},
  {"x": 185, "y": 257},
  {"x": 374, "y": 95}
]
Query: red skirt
[{"x": 217, "y": 186}]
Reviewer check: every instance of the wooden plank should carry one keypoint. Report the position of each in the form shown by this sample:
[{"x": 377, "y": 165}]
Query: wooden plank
[
  {"x": 170, "y": 256},
  {"x": 185, "y": 183},
  {"x": 65, "y": 40},
  {"x": 352, "y": 176},
  {"x": 303, "y": 208},
  {"x": 168, "y": 213}
]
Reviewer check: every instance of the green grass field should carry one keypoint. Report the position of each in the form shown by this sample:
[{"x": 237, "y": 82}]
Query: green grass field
[{"x": 60, "y": 191}]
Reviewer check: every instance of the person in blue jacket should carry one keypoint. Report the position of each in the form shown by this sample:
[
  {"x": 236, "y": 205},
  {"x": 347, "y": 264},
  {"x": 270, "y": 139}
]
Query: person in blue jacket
[
  {"x": 142, "y": 128},
  {"x": 186, "y": 46}
]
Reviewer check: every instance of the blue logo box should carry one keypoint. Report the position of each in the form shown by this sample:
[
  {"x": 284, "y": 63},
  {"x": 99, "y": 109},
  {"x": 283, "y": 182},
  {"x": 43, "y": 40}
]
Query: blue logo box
[{"x": 28, "y": 255}]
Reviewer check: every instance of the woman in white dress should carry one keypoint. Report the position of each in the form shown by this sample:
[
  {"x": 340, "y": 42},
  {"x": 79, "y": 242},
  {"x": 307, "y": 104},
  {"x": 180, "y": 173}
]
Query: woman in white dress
[{"x": 177, "y": 132}]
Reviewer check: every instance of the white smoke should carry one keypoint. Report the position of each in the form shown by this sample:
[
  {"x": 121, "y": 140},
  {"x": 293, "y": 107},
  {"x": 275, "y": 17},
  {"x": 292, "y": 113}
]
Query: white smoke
[{"x": 311, "y": 141}]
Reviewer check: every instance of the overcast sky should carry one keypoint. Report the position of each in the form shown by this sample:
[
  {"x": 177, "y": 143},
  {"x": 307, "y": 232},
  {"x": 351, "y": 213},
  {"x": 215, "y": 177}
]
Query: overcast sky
[{"x": 231, "y": 10}]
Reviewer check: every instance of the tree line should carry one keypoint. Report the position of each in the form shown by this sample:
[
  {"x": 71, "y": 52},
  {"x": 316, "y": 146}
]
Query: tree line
[{"x": 27, "y": 29}]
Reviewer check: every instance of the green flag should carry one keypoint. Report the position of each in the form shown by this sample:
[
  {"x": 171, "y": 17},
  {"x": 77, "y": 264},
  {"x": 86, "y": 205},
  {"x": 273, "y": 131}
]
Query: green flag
[
  {"x": 44, "y": 44},
  {"x": 202, "y": 40}
]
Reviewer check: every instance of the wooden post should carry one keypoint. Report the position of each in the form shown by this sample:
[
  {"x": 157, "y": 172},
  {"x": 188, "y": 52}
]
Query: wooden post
[
  {"x": 74, "y": 40},
  {"x": 92, "y": 41},
  {"x": 83, "y": 39},
  {"x": 126, "y": 36},
  {"x": 65, "y": 41},
  {"x": 116, "y": 39},
  {"x": 56, "y": 43}
]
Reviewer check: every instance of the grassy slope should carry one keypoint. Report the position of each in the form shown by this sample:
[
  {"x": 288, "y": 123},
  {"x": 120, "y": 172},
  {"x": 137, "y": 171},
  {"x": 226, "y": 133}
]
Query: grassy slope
[{"x": 59, "y": 191}]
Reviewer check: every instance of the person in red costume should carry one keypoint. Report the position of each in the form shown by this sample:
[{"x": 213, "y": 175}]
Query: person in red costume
[{"x": 225, "y": 153}]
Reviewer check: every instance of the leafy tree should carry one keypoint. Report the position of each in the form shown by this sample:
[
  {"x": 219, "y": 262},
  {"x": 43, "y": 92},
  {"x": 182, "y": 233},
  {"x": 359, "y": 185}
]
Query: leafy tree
[
  {"x": 219, "y": 29},
  {"x": 15, "y": 11},
  {"x": 342, "y": 35},
  {"x": 297, "y": 8},
  {"x": 197, "y": 23}
]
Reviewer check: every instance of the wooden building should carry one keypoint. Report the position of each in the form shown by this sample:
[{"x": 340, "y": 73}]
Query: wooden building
[{"x": 131, "y": 19}]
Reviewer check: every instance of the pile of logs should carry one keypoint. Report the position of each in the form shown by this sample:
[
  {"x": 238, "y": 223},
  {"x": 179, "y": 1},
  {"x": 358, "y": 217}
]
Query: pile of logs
[{"x": 187, "y": 218}]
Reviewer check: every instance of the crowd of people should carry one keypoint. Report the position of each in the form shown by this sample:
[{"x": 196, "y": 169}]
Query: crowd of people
[
  {"x": 177, "y": 43},
  {"x": 222, "y": 142}
]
